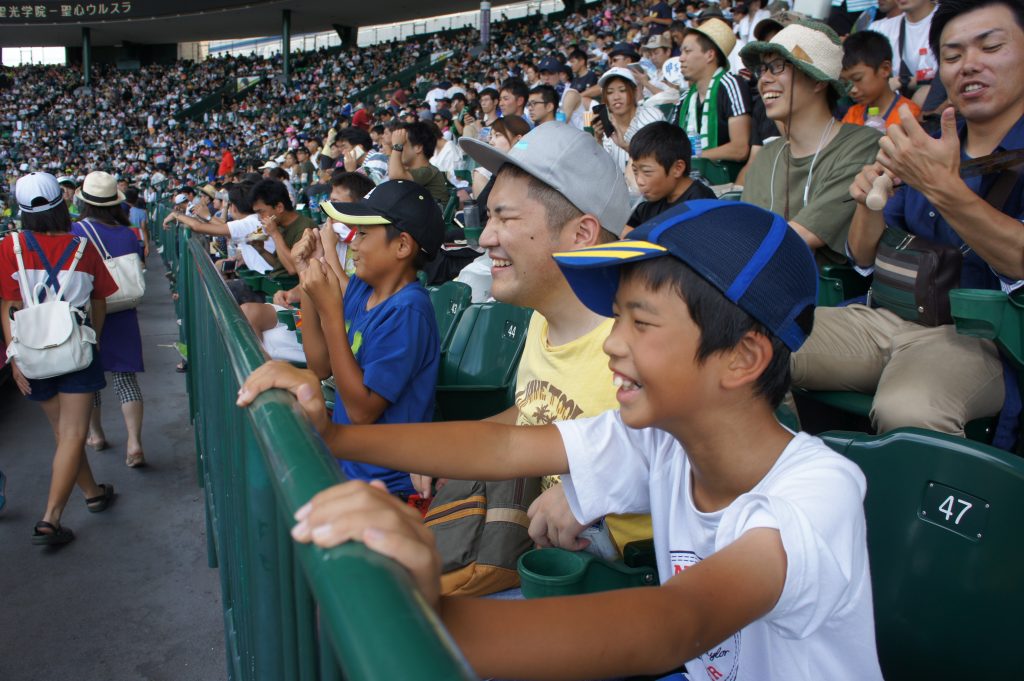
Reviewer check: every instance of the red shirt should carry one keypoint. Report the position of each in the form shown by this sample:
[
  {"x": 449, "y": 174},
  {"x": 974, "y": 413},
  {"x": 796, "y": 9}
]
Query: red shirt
[
  {"x": 227, "y": 164},
  {"x": 89, "y": 280},
  {"x": 361, "y": 119}
]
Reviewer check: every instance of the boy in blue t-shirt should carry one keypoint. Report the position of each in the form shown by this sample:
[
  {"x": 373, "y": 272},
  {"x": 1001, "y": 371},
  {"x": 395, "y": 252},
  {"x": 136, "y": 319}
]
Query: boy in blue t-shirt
[{"x": 376, "y": 331}]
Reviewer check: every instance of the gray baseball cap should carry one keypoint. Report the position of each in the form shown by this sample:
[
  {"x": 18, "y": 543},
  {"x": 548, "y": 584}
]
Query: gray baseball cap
[{"x": 569, "y": 161}]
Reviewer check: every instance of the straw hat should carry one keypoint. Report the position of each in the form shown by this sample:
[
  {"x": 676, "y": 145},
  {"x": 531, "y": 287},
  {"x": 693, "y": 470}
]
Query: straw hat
[
  {"x": 719, "y": 33},
  {"x": 209, "y": 190},
  {"x": 100, "y": 189},
  {"x": 810, "y": 46}
]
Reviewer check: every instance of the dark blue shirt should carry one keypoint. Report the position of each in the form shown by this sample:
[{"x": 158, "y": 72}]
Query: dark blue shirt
[
  {"x": 396, "y": 345},
  {"x": 911, "y": 211}
]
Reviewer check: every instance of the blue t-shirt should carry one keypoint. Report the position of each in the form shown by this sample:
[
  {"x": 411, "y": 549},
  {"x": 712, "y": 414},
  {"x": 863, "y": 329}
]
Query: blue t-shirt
[{"x": 396, "y": 345}]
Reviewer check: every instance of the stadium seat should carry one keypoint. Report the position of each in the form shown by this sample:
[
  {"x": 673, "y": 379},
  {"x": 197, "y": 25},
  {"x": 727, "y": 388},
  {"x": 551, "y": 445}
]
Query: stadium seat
[
  {"x": 449, "y": 300},
  {"x": 481, "y": 362},
  {"x": 839, "y": 283},
  {"x": 945, "y": 546}
]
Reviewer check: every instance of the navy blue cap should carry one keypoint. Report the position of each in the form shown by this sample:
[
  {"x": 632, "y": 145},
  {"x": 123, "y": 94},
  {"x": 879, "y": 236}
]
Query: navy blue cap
[
  {"x": 749, "y": 254},
  {"x": 550, "y": 65}
]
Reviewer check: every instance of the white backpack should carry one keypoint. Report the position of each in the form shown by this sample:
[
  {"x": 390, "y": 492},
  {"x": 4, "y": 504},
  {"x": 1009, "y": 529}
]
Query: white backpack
[
  {"x": 49, "y": 338},
  {"x": 126, "y": 270}
]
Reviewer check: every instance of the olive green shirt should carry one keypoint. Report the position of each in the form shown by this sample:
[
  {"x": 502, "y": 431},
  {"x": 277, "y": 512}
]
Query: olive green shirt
[{"x": 827, "y": 213}]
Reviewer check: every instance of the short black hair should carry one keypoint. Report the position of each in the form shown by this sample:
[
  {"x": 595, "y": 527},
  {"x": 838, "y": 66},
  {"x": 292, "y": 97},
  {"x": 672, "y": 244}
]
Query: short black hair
[
  {"x": 488, "y": 92},
  {"x": 238, "y": 195},
  {"x": 278, "y": 174},
  {"x": 665, "y": 142},
  {"x": 707, "y": 44},
  {"x": 271, "y": 192},
  {"x": 721, "y": 322},
  {"x": 357, "y": 137},
  {"x": 421, "y": 135},
  {"x": 357, "y": 184},
  {"x": 866, "y": 47},
  {"x": 54, "y": 220},
  {"x": 578, "y": 54},
  {"x": 948, "y": 9},
  {"x": 517, "y": 87},
  {"x": 547, "y": 94}
]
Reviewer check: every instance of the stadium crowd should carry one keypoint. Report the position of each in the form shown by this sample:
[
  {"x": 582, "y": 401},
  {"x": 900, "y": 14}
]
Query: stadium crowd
[{"x": 624, "y": 121}]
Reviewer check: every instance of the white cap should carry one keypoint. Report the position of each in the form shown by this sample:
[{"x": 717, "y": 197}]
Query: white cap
[
  {"x": 268, "y": 165},
  {"x": 38, "y": 192},
  {"x": 180, "y": 198},
  {"x": 617, "y": 72}
]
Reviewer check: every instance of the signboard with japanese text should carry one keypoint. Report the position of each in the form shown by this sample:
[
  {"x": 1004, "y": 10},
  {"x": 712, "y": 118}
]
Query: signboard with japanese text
[{"x": 93, "y": 12}]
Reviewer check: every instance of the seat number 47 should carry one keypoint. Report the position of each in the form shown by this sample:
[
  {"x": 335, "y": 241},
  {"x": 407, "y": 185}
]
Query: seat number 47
[{"x": 953, "y": 506}]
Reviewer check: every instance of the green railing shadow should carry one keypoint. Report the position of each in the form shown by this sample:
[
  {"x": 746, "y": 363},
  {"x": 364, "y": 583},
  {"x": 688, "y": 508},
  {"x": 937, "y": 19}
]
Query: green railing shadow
[{"x": 290, "y": 611}]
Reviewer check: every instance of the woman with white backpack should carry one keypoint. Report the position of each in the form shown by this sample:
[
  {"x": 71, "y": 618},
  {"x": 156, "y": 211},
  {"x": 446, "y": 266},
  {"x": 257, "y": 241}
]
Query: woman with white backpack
[
  {"x": 50, "y": 280},
  {"x": 104, "y": 221}
]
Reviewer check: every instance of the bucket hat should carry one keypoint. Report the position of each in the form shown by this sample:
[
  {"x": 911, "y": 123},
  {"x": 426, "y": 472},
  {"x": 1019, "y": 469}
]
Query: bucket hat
[{"x": 810, "y": 46}]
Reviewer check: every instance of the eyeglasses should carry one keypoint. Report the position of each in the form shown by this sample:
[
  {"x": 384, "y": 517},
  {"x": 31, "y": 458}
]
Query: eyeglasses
[
  {"x": 775, "y": 67},
  {"x": 533, "y": 103}
]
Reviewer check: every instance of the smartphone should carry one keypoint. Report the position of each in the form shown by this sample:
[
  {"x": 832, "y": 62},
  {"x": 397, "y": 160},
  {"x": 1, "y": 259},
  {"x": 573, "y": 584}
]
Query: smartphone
[
  {"x": 601, "y": 111},
  {"x": 229, "y": 266}
]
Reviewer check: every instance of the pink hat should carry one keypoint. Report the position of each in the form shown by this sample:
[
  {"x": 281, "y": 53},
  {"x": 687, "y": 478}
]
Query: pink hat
[{"x": 289, "y": 129}]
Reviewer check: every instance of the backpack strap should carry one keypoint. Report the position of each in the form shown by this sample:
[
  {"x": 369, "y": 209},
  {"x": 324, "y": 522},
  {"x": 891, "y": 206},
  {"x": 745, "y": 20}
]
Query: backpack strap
[
  {"x": 27, "y": 296},
  {"x": 92, "y": 235},
  {"x": 53, "y": 271}
]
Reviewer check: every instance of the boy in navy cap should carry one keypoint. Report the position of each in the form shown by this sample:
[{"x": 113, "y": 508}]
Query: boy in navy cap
[
  {"x": 375, "y": 331},
  {"x": 759, "y": 532}
]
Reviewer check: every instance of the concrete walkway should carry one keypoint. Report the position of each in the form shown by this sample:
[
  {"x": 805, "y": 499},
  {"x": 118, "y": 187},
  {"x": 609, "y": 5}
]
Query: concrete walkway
[{"x": 132, "y": 597}]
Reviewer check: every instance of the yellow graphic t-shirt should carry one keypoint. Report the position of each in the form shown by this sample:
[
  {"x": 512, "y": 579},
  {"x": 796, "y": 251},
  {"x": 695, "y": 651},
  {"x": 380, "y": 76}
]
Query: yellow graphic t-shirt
[{"x": 567, "y": 382}]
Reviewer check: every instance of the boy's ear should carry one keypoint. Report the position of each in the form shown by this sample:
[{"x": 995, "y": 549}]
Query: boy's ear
[
  {"x": 884, "y": 69},
  {"x": 677, "y": 170},
  {"x": 747, "y": 360}
]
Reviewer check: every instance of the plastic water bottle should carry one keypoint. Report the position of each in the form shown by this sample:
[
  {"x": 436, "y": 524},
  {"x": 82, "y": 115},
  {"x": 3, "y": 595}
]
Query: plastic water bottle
[
  {"x": 874, "y": 120},
  {"x": 471, "y": 223},
  {"x": 695, "y": 147}
]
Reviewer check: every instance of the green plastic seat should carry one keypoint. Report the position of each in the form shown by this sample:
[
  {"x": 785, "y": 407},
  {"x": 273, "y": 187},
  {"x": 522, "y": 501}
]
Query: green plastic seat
[
  {"x": 449, "y": 300},
  {"x": 839, "y": 283},
  {"x": 731, "y": 195},
  {"x": 271, "y": 285},
  {"x": 993, "y": 315},
  {"x": 480, "y": 365},
  {"x": 945, "y": 545}
]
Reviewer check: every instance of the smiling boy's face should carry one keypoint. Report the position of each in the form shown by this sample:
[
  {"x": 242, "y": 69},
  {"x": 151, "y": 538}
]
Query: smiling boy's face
[
  {"x": 652, "y": 351},
  {"x": 867, "y": 84}
]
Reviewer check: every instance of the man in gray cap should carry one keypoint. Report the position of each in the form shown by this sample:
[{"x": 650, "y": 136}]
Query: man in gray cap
[{"x": 541, "y": 203}]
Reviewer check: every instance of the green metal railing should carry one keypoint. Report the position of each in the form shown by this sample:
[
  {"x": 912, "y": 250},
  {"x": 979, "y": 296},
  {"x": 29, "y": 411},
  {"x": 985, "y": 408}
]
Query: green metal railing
[{"x": 291, "y": 611}]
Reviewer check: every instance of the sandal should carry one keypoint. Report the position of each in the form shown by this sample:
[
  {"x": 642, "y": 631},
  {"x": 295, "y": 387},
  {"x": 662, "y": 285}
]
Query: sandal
[
  {"x": 99, "y": 503},
  {"x": 98, "y": 445},
  {"x": 182, "y": 366},
  {"x": 48, "y": 534},
  {"x": 135, "y": 460}
]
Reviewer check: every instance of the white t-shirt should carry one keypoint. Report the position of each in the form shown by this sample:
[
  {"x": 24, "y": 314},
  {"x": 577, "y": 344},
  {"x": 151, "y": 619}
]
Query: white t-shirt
[
  {"x": 823, "y": 625},
  {"x": 239, "y": 229},
  {"x": 916, "y": 41},
  {"x": 744, "y": 30}
]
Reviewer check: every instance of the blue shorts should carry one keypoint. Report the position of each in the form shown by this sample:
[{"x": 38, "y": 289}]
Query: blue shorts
[{"x": 87, "y": 380}]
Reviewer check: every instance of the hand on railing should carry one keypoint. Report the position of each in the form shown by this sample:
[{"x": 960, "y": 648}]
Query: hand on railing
[
  {"x": 302, "y": 383},
  {"x": 356, "y": 511}
]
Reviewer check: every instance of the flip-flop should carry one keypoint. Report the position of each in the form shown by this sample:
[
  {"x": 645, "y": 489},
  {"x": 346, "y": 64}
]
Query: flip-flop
[
  {"x": 98, "y": 446},
  {"x": 52, "y": 536},
  {"x": 99, "y": 503},
  {"x": 135, "y": 460}
]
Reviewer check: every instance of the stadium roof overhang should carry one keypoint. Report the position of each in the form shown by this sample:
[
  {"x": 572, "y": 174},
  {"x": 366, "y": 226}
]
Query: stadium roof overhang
[{"x": 60, "y": 22}]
